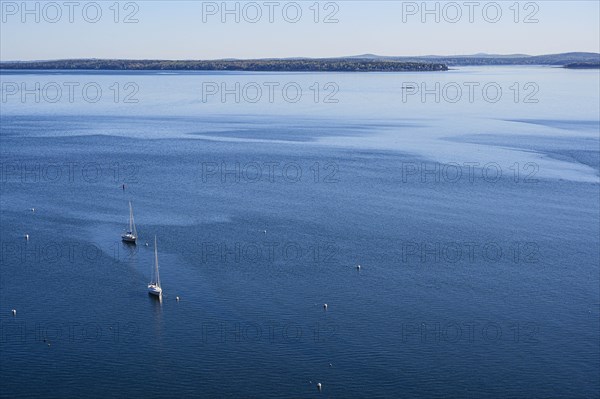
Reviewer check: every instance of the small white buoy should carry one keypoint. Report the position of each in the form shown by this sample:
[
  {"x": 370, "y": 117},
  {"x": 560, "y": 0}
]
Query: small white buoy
[
  {"x": 32, "y": 209},
  {"x": 14, "y": 312},
  {"x": 27, "y": 237},
  {"x": 146, "y": 243},
  {"x": 177, "y": 298},
  {"x": 319, "y": 386},
  {"x": 330, "y": 365},
  {"x": 357, "y": 267},
  {"x": 265, "y": 232},
  {"x": 325, "y": 306}
]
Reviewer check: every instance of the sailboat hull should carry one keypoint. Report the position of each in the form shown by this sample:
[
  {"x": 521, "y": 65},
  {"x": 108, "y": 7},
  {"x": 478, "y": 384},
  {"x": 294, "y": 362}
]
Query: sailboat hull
[
  {"x": 154, "y": 290},
  {"x": 129, "y": 238}
]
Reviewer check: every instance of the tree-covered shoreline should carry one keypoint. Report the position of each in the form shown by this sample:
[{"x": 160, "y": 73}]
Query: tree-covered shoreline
[
  {"x": 583, "y": 65},
  {"x": 277, "y": 65},
  {"x": 360, "y": 63}
]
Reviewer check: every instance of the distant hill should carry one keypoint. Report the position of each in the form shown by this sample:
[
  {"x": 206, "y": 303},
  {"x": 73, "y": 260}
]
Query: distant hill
[
  {"x": 495, "y": 59},
  {"x": 436, "y": 57}
]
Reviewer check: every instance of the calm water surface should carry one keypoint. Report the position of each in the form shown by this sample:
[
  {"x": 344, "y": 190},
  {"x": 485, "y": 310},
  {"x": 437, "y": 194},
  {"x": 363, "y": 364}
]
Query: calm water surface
[{"x": 475, "y": 221}]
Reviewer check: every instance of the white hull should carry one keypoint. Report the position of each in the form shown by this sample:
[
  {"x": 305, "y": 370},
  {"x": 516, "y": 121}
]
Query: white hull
[
  {"x": 154, "y": 290},
  {"x": 129, "y": 238}
]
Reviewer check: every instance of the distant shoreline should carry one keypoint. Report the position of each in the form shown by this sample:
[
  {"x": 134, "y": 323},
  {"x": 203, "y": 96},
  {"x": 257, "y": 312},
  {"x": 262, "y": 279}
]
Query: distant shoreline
[
  {"x": 300, "y": 65},
  {"x": 583, "y": 65},
  {"x": 359, "y": 63}
]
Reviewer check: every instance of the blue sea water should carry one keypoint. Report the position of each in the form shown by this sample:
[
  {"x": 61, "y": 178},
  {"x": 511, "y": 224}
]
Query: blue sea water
[{"x": 475, "y": 219}]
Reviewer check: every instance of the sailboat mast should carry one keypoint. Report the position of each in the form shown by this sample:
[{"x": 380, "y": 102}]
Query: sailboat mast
[
  {"x": 133, "y": 230},
  {"x": 131, "y": 221},
  {"x": 130, "y": 217},
  {"x": 156, "y": 263}
]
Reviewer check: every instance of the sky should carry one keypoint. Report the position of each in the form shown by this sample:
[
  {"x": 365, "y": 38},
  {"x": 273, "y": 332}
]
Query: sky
[{"x": 156, "y": 29}]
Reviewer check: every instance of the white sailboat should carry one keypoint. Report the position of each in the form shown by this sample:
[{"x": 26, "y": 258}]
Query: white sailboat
[
  {"x": 131, "y": 235},
  {"x": 154, "y": 286}
]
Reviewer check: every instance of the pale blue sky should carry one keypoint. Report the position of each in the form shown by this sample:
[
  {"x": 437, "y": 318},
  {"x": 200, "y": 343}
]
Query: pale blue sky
[{"x": 181, "y": 30}]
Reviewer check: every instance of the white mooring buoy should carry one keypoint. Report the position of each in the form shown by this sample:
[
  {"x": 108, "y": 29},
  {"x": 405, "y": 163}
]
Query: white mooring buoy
[
  {"x": 319, "y": 386},
  {"x": 177, "y": 298},
  {"x": 325, "y": 306},
  {"x": 14, "y": 312},
  {"x": 27, "y": 237}
]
